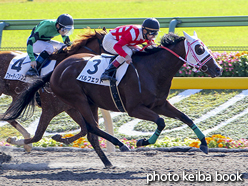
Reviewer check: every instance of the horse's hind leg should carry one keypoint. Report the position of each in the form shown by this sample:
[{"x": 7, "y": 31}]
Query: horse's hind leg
[
  {"x": 23, "y": 131},
  {"x": 93, "y": 139},
  {"x": 45, "y": 118},
  {"x": 82, "y": 105}
]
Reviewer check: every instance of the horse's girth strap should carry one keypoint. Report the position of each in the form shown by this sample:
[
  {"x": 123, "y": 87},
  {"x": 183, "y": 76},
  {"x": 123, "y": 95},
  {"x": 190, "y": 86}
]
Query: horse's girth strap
[{"x": 116, "y": 97}]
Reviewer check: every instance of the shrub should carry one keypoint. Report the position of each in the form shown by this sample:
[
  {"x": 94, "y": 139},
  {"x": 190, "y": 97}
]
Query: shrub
[{"x": 234, "y": 64}]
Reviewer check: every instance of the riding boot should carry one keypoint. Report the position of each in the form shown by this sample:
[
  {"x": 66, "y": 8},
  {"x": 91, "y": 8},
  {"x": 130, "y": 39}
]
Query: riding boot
[
  {"x": 110, "y": 71},
  {"x": 41, "y": 59}
]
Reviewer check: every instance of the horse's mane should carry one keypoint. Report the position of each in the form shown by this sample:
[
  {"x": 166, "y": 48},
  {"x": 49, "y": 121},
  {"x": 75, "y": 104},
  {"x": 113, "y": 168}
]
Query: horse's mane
[
  {"x": 166, "y": 41},
  {"x": 170, "y": 39},
  {"x": 83, "y": 39}
]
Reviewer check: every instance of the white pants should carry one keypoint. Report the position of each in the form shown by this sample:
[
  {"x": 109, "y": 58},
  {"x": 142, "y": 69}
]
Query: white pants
[
  {"x": 48, "y": 46},
  {"x": 108, "y": 44}
]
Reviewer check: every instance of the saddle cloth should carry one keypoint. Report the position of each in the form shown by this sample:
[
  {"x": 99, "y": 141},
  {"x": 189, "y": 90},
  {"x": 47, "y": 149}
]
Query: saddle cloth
[
  {"x": 96, "y": 66},
  {"x": 20, "y": 64}
]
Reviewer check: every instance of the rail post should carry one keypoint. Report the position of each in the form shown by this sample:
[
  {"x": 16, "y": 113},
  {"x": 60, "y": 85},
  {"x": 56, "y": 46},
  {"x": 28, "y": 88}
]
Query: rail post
[
  {"x": 2, "y": 25},
  {"x": 109, "y": 128},
  {"x": 173, "y": 24}
]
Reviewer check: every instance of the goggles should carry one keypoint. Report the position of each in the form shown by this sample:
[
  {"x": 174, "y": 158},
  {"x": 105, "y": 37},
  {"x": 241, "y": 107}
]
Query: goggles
[
  {"x": 67, "y": 30},
  {"x": 152, "y": 32}
]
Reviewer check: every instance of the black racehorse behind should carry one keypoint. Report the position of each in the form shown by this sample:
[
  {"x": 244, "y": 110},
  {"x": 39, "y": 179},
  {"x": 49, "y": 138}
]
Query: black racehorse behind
[{"x": 156, "y": 67}]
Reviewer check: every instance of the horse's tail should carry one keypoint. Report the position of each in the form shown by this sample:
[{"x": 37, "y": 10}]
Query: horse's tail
[{"x": 23, "y": 106}]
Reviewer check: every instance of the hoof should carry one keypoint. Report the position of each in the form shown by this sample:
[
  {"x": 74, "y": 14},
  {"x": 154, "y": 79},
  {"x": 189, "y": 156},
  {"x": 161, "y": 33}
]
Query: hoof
[
  {"x": 142, "y": 142},
  {"x": 204, "y": 148},
  {"x": 124, "y": 148},
  {"x": 28, "y": 147},
  {"x": 57, "y": 137},
  {"x": 109, "y": 167},
  {"x": 11, "y": 140}
]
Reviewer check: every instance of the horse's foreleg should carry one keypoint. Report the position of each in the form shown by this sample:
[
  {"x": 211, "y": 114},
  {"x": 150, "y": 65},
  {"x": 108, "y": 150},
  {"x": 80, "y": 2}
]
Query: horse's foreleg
[
  {"x": 170, "y": 111},
  {"x": 77, "y": 117},
  {"x": 93, "y": 139},
  {"x": 147, "y": 114},
  {"x": 23, "y": 131},
  {"x": 45, "y": 118}
]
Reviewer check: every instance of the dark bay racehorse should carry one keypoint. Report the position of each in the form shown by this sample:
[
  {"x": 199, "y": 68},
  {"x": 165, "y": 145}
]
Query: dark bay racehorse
[
  {"x": 157, "y": 67},
  {"x": 51, "y": 106}
]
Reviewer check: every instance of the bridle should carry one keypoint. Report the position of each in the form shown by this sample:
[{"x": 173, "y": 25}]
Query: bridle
[{"x": 199, "y": 62}]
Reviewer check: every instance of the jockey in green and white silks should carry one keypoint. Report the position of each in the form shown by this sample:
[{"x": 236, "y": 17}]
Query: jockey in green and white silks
[{"x": 40, "y": 40}]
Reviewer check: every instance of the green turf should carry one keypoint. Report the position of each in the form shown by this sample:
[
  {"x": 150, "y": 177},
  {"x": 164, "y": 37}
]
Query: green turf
[{"x": 50, "y": 9}]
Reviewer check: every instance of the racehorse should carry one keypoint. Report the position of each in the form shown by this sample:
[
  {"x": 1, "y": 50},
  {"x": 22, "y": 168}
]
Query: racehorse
[
  {"x": 156, "y": 68},
  {"x": 90, "y": 42}
]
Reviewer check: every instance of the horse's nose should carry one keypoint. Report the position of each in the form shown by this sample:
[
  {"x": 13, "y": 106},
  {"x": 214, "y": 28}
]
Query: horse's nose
[{"x": 219, "y": 71}]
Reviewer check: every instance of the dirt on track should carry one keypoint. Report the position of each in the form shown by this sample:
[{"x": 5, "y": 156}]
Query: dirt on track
[{"x": 78, "y": 167}]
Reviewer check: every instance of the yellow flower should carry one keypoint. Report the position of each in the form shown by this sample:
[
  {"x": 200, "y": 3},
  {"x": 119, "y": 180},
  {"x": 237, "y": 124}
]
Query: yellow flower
[
  {"x": 219, "y": 141},
  {"x": 220, "y": 145},
  {"x": 238, "y": 54},
  {"x": 208, "y": 139},
  {"x": 194, "y": 144},
  {"x": 68, "y": 135}
]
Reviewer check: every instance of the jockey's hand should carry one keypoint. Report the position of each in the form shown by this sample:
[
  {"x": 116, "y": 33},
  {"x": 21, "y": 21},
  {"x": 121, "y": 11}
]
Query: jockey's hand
[
  {"x": 128, "y": 59},
  {"x": 33, "y": 64}
]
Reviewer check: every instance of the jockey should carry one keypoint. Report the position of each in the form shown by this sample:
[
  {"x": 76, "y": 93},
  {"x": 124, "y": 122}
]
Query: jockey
[
  {"x": 40, "y": 40},
  {"x": 123, "y": 40}
]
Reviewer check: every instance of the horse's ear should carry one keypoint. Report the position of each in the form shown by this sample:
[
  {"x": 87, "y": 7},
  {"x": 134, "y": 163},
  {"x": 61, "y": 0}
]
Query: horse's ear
[
  {"x": 104, "y": 29},
  {"x": 188, "y": 37},
  {"x": 195, "y": 34}
]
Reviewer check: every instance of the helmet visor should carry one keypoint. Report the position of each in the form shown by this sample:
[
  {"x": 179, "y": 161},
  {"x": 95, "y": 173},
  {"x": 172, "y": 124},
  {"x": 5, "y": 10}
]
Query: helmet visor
[{"x": 67, "y": 30}]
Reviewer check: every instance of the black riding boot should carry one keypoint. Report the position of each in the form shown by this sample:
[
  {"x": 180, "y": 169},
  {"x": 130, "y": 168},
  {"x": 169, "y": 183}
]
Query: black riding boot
[
  {"x": 41, "y": 59},
  {"x": 110, "y": 71}
]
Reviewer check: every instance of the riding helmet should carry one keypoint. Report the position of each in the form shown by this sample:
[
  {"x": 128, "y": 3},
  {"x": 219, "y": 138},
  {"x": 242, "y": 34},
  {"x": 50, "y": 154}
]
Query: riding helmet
[
  {"x": 151, "y": 24},
  {"x": 65, "y": 20}
]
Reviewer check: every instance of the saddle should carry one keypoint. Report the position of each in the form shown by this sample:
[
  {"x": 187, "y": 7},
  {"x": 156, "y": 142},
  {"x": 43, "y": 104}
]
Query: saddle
[{"x": 94, "y": 69}]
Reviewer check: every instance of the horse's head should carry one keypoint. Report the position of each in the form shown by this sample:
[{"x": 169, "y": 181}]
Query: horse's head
[{"x": 198, "y": 56}]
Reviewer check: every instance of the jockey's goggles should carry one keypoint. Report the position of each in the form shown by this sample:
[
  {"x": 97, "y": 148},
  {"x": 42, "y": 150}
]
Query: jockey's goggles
[
  {"x": 152, "y": 32},
  {"x": 67, "y": 30}
]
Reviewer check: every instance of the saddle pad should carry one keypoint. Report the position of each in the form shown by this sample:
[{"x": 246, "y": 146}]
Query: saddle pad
[
  {"x": 94, "y": 69},
  {"x": 18, "y": 67}
]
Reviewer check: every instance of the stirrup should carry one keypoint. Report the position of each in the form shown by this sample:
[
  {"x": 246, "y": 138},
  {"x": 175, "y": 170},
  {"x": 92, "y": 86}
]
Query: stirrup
[{"x": 32, "y": 72}]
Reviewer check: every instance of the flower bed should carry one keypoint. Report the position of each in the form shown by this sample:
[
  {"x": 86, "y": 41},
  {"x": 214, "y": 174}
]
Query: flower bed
[
  {"x": 234, "y": 64},
  {"x": 215, "y": 141},
  {"x": 219, "y": 141}
]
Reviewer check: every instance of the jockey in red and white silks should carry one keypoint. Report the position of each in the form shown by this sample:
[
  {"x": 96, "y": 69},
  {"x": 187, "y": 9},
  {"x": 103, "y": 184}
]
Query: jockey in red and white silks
[{"x": 123, "y": 40}]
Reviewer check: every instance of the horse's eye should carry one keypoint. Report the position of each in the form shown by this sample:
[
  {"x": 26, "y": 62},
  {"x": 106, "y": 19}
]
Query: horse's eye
[{"x": 199, "y": 49}]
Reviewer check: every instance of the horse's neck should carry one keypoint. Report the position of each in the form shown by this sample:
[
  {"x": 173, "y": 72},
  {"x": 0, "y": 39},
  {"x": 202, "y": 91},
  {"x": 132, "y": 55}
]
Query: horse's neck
[
  {"x": 168, "y": 64},
  {"x": 166, "y": 67}
]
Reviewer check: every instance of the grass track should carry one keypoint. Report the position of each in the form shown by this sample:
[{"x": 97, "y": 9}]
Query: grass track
[{"x": 44, "y": 9}]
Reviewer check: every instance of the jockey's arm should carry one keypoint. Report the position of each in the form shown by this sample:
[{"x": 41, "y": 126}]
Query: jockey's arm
[
  {"x": 118, "y": 47},
  {"x": 30, "y": 52},
  {"x": 66, "y": 40}
]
